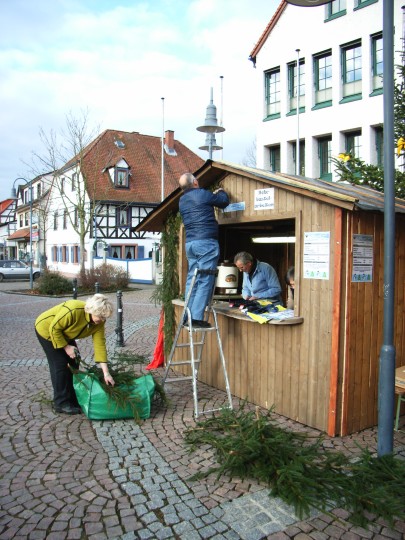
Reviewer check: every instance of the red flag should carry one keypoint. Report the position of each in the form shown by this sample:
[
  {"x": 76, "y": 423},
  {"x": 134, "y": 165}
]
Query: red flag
[{"x": 158, "y": 354}]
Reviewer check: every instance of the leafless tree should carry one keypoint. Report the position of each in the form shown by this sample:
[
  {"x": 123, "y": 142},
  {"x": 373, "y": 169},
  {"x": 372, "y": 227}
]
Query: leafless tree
[
  {"x": 250, "y": 156},
  {"x": 63, "y": 154}
]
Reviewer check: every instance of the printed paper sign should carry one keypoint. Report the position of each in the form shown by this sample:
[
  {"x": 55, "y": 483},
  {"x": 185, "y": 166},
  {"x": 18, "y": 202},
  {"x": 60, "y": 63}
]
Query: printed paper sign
[
  {"x": 264, "y": 199},
  {"x": 316, "y": 255},
  {"x": 362, "y": 258}
]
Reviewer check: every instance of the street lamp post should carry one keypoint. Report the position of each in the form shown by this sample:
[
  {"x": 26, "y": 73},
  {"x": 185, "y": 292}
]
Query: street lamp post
[{"x": 14, "y": 196}]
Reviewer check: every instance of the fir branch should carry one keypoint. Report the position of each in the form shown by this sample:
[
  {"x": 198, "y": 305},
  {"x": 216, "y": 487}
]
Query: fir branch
[{"x": 298, "y": 469}]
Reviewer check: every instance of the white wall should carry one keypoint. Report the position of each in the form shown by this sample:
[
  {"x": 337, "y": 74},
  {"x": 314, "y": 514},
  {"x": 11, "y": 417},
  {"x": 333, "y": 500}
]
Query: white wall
[{"x": 305, "y": 29}]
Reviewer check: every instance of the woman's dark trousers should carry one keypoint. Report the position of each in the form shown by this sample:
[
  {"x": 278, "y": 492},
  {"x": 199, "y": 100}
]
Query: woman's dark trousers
[{"x": 61, "y": 376}]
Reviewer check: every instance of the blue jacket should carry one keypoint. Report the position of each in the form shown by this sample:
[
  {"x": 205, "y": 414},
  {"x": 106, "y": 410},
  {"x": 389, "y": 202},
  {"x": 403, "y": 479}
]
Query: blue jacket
[
  {"x": 197, "y": 212},
  {"x": 264, "y": 284}
]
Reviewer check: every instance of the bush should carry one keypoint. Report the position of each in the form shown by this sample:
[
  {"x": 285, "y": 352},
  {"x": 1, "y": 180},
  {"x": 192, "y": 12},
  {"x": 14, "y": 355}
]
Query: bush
[
  {"x": 107, "y": 276},
  {"x": 52, "y": 282}
]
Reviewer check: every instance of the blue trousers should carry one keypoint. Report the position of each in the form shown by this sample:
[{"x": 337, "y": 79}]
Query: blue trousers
[{"x": 202, "y": 254}]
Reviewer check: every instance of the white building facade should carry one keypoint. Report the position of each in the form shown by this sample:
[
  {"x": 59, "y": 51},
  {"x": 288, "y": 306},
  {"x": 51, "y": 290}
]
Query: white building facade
[{"x": 340, "y": 51}]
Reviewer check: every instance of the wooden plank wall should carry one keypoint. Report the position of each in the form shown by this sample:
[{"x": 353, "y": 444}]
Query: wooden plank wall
[
  {"x": 364, "y": 330},
  {"x": 285, "y": 366}
]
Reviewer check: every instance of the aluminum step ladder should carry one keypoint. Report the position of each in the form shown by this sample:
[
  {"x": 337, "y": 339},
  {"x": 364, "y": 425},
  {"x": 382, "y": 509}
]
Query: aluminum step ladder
[{"x": 196, "y": 347}]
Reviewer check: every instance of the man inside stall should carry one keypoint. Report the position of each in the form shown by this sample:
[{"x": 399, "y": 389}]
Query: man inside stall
[{"x": 260, "y": 280}]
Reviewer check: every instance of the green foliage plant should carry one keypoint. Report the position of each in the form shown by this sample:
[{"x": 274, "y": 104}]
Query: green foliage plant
[
  {"x": 53, "y": 283},
  {"x": 169, "y": 288},
  {"x": 355, "y": 171},
  {"x": 296, "y": 467}
]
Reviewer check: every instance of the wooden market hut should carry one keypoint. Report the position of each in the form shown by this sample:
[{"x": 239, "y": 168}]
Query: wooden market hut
[{"x": 321, "y": 371}]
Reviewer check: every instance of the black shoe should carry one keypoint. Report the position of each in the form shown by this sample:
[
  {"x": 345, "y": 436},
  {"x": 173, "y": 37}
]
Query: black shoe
[
  {"x": 196, "y": 323},
  {"x": 68, "y": 409}
]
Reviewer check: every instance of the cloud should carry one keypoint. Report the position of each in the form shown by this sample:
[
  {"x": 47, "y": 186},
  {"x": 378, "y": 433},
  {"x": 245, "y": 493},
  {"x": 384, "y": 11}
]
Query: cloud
[{"x": 118, "y": 59}]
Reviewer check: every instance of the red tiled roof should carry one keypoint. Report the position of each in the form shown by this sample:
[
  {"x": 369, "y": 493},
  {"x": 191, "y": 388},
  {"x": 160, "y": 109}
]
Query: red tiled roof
[
  {"x": 5, "y": 204},
  {"x": 143, "y": 154},
  {"x": 21, "y": 234},
  {"x": 267, "y": 31}
]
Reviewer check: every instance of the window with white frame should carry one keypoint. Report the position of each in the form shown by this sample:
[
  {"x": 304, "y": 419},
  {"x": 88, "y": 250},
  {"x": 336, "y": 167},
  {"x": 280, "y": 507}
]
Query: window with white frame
[
  {"x": 353, "y": 143},
  {"x": 301, "y": 169},
  {"x": 377, "y": 61},
  {"x": 26, "y": 218},
  {"x": 324, "y": 157},
  {"x": 121, "y": 177},
  {"x": 55, "y": 221},
  {"x": 292, "y": 85},
  {"x": 274, "y": 158},
  {"x": 363, "y": 3},
  {"x": 323, "y": 77},
  {"x": 74, "y": 181},
  {"x": 62, "y": 185},
  {"x": 351, "y": 69},
  {"x": 123, "y": 217},
  {"x": 272, "y": 92},
  {"x": 335, "y": 8},
  {"x": 38, "y": 190},
  {"x": 65, "y": 218},
  {"x": 379, "y": 145}
]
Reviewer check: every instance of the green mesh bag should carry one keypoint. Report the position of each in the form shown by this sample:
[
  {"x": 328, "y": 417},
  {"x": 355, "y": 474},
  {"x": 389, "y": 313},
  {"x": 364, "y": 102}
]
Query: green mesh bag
[{"x": 97, "y": 404}]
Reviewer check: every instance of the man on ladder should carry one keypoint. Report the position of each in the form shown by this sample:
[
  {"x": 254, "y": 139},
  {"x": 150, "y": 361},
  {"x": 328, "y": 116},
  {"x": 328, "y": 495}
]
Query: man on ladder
[{"x": 202, "y": 249}]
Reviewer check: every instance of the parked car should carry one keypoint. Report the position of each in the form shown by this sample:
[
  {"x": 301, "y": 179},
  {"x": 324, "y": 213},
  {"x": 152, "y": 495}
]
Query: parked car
[{"x": 17, "y": 270}]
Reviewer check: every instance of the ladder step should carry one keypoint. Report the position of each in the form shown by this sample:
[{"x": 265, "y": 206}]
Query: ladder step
[
  {"x": 179, "y": 345},
  {"x": 208, "y": 411},
  {"x": 183, "y": 362},
  {"x": 201, "y": 328},
  {"x": 178, "y": 379}
]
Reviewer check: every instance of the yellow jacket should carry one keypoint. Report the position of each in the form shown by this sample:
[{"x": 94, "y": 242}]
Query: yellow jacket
[{"x": 68, "y": 321}]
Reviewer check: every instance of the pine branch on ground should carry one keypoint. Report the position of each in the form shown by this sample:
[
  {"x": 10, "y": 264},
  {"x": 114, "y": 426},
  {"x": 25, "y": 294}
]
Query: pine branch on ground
[{"x": 248, "y": 444}]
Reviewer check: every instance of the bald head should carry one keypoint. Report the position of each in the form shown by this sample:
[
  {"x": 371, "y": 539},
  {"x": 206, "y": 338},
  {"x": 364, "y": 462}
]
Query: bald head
[{"x": 188, "y": 180}]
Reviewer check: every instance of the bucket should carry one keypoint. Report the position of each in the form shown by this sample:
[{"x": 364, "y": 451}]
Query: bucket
[{"x": 227, "y": 279}]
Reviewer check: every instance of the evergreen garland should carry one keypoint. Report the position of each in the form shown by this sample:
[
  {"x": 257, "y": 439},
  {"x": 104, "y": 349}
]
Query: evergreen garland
[
  {"x": 297, "y": 469},
  {"x": 169, "y": 288}
]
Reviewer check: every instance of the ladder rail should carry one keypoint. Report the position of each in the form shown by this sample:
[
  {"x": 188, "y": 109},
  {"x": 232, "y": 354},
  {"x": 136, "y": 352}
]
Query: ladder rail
[{"x": 196, "y": 347}]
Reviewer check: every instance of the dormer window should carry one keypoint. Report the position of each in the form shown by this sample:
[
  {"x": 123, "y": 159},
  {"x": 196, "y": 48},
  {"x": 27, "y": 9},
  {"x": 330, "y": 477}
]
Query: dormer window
[{"x": 121, "y": 178}]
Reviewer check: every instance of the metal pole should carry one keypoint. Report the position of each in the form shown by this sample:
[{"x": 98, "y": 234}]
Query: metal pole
[
  {"x": 97, "y": 287},
  {"x": 31, "y": 277},
  {"x": 297, "y": 153},
  {"x": 222, "y": 115},
  {"x": 163, "y": 149},
  {"x": 386, "y": 381},
  {"x": 74, "y": 289},
  {"x": 118, "y": 330}
]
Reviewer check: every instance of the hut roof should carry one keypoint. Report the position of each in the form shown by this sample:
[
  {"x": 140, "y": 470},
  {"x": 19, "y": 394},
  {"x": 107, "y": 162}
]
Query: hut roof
[{"x": 341, "y": 194}]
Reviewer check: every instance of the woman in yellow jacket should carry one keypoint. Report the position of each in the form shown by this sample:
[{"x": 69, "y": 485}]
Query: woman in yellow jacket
[{"x": 57, "y": 330}]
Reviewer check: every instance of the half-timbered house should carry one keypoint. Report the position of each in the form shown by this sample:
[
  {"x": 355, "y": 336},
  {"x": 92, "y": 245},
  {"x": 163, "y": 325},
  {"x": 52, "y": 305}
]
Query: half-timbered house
[{"x": 115, "y": 182}]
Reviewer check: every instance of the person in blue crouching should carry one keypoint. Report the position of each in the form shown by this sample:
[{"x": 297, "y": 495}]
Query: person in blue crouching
[
  {"x": 202, "y": 249},
  {"x": 260, "y": 280}
]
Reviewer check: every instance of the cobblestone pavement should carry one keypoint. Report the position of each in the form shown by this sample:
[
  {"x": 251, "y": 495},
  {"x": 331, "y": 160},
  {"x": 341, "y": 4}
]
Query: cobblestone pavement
[{"x": 66, "y": 477}]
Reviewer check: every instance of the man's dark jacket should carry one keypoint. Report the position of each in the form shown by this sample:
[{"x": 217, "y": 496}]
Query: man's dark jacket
[{"x": 197, "y": 212}]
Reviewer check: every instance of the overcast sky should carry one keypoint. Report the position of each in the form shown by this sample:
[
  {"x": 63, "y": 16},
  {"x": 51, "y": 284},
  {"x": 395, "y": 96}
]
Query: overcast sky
[{"x": 118, "y": 59}]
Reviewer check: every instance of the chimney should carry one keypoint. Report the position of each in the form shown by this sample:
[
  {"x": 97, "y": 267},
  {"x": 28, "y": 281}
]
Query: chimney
[{"x": 169, "y": 139}]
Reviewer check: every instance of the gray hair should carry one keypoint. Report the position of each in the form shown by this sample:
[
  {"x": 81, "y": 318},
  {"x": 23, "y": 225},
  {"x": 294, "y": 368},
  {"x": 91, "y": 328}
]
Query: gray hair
[
  {"x": 187, "y": 180},
  {"x": 99, "y": 305},
  {"x": 243, "y": 256}
]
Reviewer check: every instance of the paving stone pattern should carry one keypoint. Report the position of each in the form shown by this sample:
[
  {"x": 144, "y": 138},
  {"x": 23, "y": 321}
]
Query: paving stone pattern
[{"x": 66, "y": 477}]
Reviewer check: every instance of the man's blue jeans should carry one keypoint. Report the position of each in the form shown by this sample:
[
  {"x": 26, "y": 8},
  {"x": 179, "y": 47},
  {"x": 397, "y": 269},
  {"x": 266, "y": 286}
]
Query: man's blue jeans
[{"x": 202, "y": 254}]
